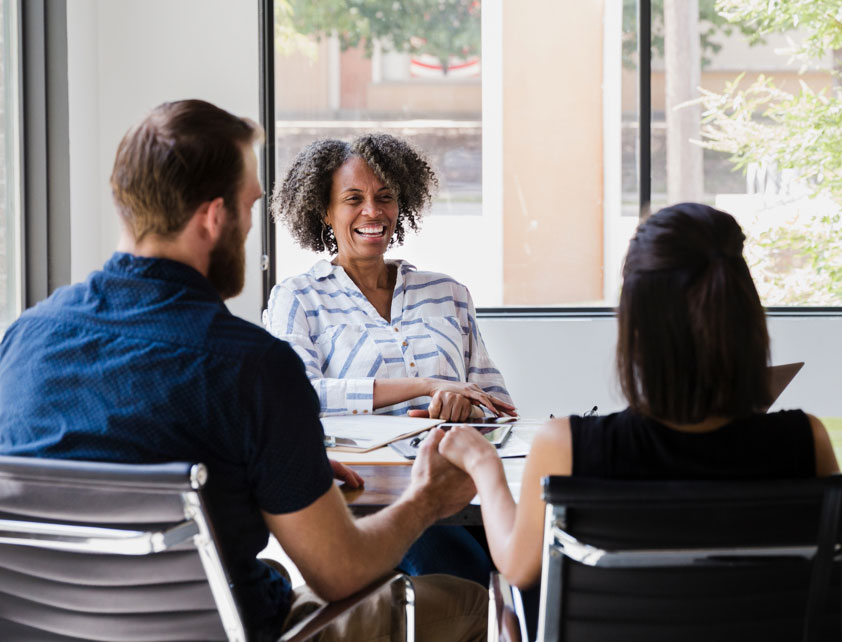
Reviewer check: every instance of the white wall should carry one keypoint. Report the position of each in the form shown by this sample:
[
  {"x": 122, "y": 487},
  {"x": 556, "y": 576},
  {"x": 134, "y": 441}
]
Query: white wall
[
  {"x": 565, "y": 366},
  {"x": 124, "y": 58}
]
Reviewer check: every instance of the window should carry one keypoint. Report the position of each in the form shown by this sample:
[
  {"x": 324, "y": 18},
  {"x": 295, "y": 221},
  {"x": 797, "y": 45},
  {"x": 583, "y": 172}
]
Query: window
[
  {"x": 10, "y": 209},
  {"x": 538, "y": 139},
  {"x": 757, "y": 84}
]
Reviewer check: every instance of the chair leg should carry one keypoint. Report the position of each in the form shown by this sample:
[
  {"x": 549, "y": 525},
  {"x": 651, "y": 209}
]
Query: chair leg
[{"x": 403, "y": 610}]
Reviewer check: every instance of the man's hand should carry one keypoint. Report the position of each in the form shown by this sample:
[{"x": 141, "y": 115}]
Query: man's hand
[
  {"x": 465, "y": 447},
  {"x": 442, "y": 488},
  {"x": 344, "y": 474}
]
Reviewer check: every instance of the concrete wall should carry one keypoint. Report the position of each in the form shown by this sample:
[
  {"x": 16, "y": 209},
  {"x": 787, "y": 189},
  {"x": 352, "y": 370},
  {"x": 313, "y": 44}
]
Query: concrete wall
[{"x": 552, "y": 153}]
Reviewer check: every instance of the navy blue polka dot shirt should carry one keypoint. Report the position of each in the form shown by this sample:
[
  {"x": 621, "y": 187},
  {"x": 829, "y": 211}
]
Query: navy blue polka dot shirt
[{"x": 144, "y": 363}]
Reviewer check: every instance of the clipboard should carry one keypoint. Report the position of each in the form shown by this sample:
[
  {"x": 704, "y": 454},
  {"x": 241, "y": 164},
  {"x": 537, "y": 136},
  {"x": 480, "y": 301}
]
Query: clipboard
[{"x": 355, "y": 434}]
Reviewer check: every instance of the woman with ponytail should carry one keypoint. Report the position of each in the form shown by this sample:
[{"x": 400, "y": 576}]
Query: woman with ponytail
[{"x": 692, "y": 359}]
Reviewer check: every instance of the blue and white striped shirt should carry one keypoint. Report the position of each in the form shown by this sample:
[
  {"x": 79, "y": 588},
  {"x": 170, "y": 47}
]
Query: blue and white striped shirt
[{"x": 345, "y": 344}]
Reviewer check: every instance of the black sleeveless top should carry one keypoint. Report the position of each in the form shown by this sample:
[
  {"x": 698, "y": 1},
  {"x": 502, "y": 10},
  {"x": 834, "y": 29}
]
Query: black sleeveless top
[{"x": 626, "y": 445}]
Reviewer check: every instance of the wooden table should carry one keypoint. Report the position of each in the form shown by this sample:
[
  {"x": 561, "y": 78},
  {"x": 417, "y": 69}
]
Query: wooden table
[{"x": 386, "y": 480}]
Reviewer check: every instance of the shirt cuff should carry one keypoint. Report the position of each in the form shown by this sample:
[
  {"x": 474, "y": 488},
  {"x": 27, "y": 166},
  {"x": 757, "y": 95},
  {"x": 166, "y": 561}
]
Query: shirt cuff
[{"x": 359, "y": 396}]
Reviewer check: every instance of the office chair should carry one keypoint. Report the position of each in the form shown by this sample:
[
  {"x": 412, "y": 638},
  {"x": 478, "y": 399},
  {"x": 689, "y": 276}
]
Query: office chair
[
  {"x": 101, "y": 551},
  {"x": 688, "y": 560}
]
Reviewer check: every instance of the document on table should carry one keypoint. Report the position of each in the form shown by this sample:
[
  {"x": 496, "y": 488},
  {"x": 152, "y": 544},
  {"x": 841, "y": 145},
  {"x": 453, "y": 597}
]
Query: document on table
[{"x": 356, "y": 434}]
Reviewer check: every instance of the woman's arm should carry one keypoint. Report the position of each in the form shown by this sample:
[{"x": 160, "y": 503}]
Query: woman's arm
[
  {"x": 480, "y": 368},
  {"x": 286, "y": 319},
  {"x": 388, "y": 392},
  {"x": 825, "y": 457},
  {"x": 514, "y": 532}
]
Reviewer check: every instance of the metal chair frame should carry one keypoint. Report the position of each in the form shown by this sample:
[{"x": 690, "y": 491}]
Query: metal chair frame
[
  {"x": 193, "y": 531},
  {"x": 560, "y": 545},
  {"x": 117, "y": 541}
]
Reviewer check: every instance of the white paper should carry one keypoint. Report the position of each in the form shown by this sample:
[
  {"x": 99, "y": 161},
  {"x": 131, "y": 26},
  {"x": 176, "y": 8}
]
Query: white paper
[{"x": 368, "y": 430}]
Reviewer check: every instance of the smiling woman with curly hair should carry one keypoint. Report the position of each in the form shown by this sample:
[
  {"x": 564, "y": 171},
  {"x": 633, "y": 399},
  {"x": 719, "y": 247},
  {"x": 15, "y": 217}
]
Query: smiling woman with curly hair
[{"x": 376, "y": 335}]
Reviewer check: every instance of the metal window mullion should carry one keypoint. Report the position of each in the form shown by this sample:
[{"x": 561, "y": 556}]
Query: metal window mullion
[
  {"x": 46, "y": 148},
  {"x": 266, "y": 12},
  {"x": 644, "y": 68}
]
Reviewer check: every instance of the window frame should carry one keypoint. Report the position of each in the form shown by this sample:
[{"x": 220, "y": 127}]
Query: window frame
[
  {"x": 45, "y": 152},
  {"x": 644, "y": 121},
  {"x": 14, "y": 145}
]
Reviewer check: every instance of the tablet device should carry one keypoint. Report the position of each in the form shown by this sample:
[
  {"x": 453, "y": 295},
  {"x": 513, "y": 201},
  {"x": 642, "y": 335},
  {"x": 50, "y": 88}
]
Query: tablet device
[{"x": 495, "y": 432}]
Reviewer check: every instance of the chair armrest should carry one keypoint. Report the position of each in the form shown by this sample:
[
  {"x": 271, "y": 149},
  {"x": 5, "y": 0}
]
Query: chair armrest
[
  {"x": 506, "y": 618},
  {"x": 403, "y": 599}
]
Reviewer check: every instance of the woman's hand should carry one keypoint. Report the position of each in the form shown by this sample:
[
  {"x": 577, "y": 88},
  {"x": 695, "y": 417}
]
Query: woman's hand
[
  {"x": 344, "y": 474},
  {"x": 458, "y": 400},
  {"x": 465, "y": 448}
]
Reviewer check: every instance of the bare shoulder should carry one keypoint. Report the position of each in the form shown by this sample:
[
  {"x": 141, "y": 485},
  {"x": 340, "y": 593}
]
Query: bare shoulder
[
  {"x": 555, "y": 431},
  {"x": 826, "y": 463},
  {"x": 552, "y": 447}
]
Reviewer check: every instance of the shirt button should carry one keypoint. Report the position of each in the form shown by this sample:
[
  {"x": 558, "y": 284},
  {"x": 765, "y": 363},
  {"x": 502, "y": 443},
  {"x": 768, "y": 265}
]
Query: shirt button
[
  {"x": 411, "y": 364},
  {"x": 353, "y": 412},
  {"x": 404, "y": 344},
  {"x": 365, "y": 412},
  {"x": 396, "y": 330}
]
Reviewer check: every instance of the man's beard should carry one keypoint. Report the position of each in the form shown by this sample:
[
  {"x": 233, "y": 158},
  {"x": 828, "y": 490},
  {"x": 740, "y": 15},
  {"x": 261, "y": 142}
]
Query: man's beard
[{"x": 227, "y": 269}]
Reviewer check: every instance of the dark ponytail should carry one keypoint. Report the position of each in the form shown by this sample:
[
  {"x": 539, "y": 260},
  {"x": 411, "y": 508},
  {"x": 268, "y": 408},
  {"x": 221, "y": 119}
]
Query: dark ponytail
[{"x": 692, "y": 332}]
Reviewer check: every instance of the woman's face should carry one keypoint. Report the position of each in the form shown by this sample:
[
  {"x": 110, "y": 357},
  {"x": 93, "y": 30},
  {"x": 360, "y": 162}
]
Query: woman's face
[{"x": 362, "y": 211}]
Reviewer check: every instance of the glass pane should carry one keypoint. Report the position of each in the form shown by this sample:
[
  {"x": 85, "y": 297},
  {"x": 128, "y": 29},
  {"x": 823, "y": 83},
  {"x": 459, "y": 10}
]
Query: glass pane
[
  {"x": 748, "y": 108},
  {"x": 10, "y": 228},
  {"x": 538, "y": 157},
  {"x": 411, "y": 69}
]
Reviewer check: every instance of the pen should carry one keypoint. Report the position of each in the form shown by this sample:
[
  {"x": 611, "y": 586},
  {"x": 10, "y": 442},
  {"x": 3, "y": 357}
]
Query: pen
[{"x": 415, "y": 441}]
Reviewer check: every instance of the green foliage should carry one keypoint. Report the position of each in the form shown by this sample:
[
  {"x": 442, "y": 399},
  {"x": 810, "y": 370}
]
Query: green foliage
[
  {"x": 799, "y": 263},
  {"x": 764, "y": 125},
  {"x": 442, "y": 28},
  {"x": 819, "y": 20}
]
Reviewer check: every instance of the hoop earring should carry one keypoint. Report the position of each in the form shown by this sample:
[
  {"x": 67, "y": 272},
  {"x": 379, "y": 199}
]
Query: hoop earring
[{"x": 324, "y": 243}]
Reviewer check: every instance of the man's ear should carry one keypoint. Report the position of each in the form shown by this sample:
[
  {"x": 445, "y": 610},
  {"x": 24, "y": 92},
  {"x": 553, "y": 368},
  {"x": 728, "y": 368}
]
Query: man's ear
[{"x": 211, "y": 217}]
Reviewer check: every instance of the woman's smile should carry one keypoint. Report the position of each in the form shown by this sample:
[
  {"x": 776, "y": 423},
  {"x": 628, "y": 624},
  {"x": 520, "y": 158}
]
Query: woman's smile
[{"x": 372, "y": 231}]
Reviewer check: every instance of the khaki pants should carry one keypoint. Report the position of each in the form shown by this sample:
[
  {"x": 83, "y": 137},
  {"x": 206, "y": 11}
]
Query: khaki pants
[{"x": 447, "y": 609}]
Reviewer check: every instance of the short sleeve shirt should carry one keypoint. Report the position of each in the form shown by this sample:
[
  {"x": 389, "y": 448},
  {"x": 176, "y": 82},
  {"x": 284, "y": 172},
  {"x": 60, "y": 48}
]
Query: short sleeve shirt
[{"x": 143, "y": 363}]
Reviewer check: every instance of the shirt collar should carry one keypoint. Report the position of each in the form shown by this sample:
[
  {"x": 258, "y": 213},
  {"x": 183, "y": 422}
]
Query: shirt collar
[
  {"x": 160, "y": 269},
  {"x": 324, "y": 268}
]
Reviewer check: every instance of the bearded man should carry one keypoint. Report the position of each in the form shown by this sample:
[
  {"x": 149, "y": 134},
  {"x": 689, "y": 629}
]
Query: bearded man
[{"x": 143, "y": 363}]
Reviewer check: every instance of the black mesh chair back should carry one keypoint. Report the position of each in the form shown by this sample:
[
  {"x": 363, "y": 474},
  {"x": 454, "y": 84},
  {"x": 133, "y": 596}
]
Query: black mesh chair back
[
  {"x": 650, "y": 561},
  {"x": 99, "y": 551}
]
